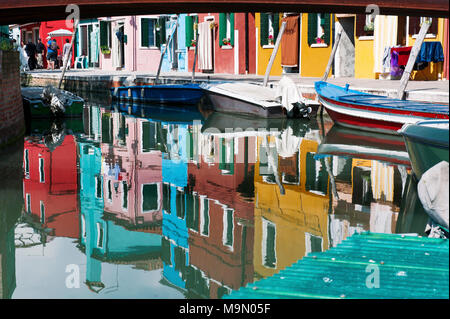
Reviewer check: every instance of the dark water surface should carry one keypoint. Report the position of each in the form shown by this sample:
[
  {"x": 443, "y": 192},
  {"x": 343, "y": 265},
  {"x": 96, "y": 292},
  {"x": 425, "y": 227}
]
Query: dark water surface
[{"x": 133, "y": 202}]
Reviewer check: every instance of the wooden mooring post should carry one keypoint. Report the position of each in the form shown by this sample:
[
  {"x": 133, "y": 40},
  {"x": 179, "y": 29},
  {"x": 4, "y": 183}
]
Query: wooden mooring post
[
  {"x": 165, "y": 49},
  {"x": 412, "y": 60},
  {"x": 274, "y": 53}
]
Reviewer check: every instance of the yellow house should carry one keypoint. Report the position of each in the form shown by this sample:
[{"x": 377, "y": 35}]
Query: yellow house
[
  {"x": 371, "y": 36},
  {"x": 288, "y": 226},
  {"x": 314, "y": 39}
]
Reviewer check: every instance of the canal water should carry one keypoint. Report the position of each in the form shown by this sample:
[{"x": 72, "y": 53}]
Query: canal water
[{"x": 144, "y": 202}]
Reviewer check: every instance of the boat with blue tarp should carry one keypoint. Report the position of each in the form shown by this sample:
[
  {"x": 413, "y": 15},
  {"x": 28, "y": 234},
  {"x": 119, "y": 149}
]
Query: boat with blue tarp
[
  {"x": 187, "y": 93},
  {"x": 371, "y": 112}
]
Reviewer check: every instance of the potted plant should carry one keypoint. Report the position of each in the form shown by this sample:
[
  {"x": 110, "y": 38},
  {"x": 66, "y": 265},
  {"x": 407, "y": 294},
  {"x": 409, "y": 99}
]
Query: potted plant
[
  {"x": 193, "y": 43},
  {"x": 320, "y": 40},
  {"x": 271, "y": 39},
  {"x": 226, "y": 41},
  {"x": 105, "y": 49},
  {"x": 369, "y": 27}
]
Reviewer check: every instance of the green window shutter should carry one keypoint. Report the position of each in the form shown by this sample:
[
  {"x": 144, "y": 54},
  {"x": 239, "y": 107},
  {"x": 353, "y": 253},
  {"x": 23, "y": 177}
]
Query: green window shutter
[
  {"x": 189, "y": 30},
  {"x": 144, "y": 32},
  {"x": 103, "y": 33},
  {"x": 232, "y": 29},
  {"x": 276, "y": 25},
  {"x": 222, "y": 27},
  {"x": 161, "y": 34},
  {"x": 326, "y": 24},
  {"x": 264, "y": 29},
  {"x": 312, "y": 28}
]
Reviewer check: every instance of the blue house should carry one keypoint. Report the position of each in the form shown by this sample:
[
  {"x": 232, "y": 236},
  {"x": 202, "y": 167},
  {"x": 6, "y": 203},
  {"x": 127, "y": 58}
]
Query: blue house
[{"x": 176, "y": 54}]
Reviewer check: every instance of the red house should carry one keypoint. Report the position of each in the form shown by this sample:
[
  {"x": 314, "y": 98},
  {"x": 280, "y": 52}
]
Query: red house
[
  {"x": 233, "y": 42},
  {"x": 51, "y": 186},
  {"x": 40, "y": 30}
]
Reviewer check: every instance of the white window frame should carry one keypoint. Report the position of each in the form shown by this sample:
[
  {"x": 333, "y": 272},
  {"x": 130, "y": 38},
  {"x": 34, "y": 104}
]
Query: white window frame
[
  {"x": 26, "y": 163},
  {"x": 150, "y": 47},
  {"x": 100, "y": 227},
  {"x": 83, "y": 226},
  {"x": 204, "y": 212},
  {"x": 428, "y": 35}
]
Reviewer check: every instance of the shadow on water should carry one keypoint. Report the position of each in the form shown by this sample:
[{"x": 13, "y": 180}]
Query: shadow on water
[{"x": 151, "y": 201}]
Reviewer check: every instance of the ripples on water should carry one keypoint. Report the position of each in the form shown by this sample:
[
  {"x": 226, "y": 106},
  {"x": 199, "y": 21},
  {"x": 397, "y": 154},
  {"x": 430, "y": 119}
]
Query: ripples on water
[{"x": 132, "y": 202}]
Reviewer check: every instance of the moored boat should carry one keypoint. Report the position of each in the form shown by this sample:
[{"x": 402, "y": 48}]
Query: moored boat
[
  {"x": 258, "y": 101},
  {"x": 371, "y": 112},
  {"x": 427, "y": 144},
  {"x": 187, "y": 93},
  {"x": 36, "y": 104}
]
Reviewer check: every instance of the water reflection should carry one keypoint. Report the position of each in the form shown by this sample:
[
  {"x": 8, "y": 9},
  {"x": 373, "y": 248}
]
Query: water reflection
[{"x": 168, "y": 204}]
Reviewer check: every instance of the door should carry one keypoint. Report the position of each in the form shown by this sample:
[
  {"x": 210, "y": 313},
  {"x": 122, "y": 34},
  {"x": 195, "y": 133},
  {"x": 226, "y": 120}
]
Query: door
[{"x": 344, "y": 65}]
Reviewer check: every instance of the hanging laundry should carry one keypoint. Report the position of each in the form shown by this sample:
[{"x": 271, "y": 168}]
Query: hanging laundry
[
  {"x": 431, "y": 52},
  {"x": 396, "y": 70},
  {"x": 403, "y": 54},
  {"x": 204, "y": 46},
  {"x": 289, "y": 42}
]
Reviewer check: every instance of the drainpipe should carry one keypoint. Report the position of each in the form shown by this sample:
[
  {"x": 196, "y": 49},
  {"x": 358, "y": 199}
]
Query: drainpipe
[{"x": 134, "y": 45}]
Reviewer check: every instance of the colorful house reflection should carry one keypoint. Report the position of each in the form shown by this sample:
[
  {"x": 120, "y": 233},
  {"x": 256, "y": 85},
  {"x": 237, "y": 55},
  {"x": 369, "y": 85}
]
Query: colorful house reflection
[
  {"x": 51, "y": 185},
  {"x": 102, "y": 238},
  {"x": 291, "y": 201}
]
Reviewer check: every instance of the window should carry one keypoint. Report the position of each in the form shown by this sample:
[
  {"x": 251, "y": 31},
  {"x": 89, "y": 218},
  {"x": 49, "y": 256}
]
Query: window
[
  {"x": 98, "y": 186},
  {"x": 228, "y": 219},
  {"x": 364, "y": 25},
  {"x": 227, "y": 156},
  {"x": 316, "y": 175},
  {"x": 181, "y": 202},
  {"x": 269, "y": 27},
  {"x": 109, "y": 191},
  {"x": 319, "y": 26},
  {"x": 192, "y": 212},
  {"x": 27, "y": 164},
  {"x": 204, "y": 215},
  {"x": 151, "y": 197},
  {"x": 124, "y": 195},
  {"x": 415, "y": 23},
  {"x": 28, "y": 197},
  {"x": 105, "y": 36},
  {"x": 100, "y": 235},
  {"x": 149, "y": 138},
  {"x": 41, "y": 171},
  {"x": 153, "y": 32},
  {"x": 42, "y": 206},
  {"x": 83, "y": 226},
  {"x": 166, "y": 197},
  {"x": 269, "y": 257},
  {"x": 226, "y": 29},
  {"x": 313, "y": 244}
]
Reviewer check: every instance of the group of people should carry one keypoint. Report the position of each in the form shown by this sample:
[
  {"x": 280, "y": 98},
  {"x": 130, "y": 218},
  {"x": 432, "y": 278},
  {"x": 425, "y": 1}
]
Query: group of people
[{"x": 32, "y": 55}]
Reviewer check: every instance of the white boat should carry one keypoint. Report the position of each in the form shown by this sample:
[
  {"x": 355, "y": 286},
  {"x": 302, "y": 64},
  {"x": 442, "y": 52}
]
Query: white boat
[{"x": 256, "y": 100}]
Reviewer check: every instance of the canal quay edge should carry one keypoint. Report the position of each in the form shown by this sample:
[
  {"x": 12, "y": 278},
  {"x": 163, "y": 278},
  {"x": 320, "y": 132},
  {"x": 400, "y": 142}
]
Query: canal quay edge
[{"x": 95, "y": 82}]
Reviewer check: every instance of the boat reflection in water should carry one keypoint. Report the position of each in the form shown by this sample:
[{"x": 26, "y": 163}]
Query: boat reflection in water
[{"x": 153, "y": 204}]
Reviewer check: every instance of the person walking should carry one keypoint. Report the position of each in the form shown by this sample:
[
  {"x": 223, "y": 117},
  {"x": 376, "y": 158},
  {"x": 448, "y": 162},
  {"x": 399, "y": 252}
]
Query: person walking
[
  {"x": 30, "y": 49},
  {"x": 50, "y": 52},
  {"x": 67, "y": 51},
  {"x": 40, "y": 49}
]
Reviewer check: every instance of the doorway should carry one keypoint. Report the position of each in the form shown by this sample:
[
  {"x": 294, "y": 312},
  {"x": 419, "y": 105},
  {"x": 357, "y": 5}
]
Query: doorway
[{"x": 344, "y": 64}]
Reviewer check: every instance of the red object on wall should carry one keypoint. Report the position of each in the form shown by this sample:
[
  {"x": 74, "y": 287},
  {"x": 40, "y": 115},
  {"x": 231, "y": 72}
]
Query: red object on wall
[{"x": 403, "y": 54}]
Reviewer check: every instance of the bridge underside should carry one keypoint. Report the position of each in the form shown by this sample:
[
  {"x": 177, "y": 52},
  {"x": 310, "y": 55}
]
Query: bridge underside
[{"x": 14, "y": 11}]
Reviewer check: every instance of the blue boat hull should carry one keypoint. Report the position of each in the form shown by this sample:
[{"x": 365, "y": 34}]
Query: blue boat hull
[{"x": 167, "y": 93}]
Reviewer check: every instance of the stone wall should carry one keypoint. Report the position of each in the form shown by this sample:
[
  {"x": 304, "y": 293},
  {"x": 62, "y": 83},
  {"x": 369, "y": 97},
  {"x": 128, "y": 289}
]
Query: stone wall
[{"x": 12, "y": 122}]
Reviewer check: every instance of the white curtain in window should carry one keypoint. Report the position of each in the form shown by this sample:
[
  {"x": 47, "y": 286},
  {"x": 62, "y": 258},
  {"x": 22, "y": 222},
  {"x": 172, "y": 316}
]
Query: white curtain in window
[{"x": 385, "y": 35}]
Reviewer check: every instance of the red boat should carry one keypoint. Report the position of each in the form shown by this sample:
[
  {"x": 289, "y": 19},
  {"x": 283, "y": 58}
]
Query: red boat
[{"x": 370, "y": 112}]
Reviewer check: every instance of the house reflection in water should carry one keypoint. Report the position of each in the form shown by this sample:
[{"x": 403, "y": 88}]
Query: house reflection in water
[
  {"x": 291, "y": 201},
  {"x": 50, "y": 188},
  {"x": 121, "y": 197}
]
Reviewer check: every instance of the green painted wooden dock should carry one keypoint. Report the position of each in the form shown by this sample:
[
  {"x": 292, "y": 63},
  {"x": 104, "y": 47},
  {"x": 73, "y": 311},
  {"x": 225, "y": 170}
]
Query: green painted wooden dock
[{"x": 364, "y": 266}]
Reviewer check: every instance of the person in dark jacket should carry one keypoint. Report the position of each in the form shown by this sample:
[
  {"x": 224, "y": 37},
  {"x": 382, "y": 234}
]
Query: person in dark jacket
[
  {"x": 40, "y": 50},
  {"x": 30, "y": 49}
]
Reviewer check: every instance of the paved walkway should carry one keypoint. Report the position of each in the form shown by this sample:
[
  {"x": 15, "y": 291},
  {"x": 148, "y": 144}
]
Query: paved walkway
[{"x": 431, "y": 91}]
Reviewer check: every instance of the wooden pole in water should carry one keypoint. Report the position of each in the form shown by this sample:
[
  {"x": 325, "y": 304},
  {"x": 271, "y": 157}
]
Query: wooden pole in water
[
  {"x": 333, "y": 53},
  {"x": 195, "y": 54},
  {"x": 412, "y": 59},
  {"x": 66, "y": 56},
  {"x": 164, "y": 51},
  {"x": 274, "y": 53}
]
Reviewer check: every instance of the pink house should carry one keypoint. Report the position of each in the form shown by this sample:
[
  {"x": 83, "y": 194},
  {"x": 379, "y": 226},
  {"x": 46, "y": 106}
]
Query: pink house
[
  {"x": 129, "y": 43},
  {"x": 131, "y": 172}
]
